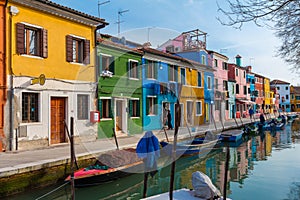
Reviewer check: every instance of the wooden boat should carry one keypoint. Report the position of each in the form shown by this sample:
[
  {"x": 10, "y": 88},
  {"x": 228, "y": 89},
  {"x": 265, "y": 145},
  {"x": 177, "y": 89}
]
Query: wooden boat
[
  {"x": 186, "y": 148},
  {"x": 232, "y": 135},
  {"x": 118, "y": 163}
]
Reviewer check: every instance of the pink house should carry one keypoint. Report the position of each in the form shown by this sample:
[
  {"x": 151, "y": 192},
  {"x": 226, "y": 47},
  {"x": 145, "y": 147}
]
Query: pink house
[
  {"x": 238, "y": 73},
  {"x": 220, "y": 65}
]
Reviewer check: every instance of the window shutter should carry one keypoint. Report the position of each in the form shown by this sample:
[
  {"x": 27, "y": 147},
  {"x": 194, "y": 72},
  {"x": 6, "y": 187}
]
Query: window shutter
[
  {"x": 112, "y": 64},
  {"x": 147, "y": 106},
  {"x": 128, "y": 69},
  {"x": 20, "y": 38},
  {"x": 86, "y": 52},
  {"x": 100, "y": 107},
  {"x": 155, "y": 69},
  {"x": 110, "y": 109},
  {"x": 176, "y": 73},
  {"x": 69, "y": 48},
  {"x": 138, "y": 108},
  {"x": 130, "y": 108},
  {"x": 44, "y": 43}
]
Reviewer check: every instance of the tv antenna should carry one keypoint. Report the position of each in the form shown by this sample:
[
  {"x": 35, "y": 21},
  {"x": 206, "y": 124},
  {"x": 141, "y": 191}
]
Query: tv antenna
[
  {"x": 99, "y": 4},
  {"x": 120, "y": 12}
]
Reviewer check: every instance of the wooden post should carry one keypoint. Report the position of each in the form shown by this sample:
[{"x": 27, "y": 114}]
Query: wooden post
[
  {"x": 226, "y": 172},
  {"x": 145, "y": 184},
  {"x": 166, "y": 134},
  {"x": 72, "y": 159},
  {"x": 115, "y": 136},
  {"x": 177, "y": 123}
]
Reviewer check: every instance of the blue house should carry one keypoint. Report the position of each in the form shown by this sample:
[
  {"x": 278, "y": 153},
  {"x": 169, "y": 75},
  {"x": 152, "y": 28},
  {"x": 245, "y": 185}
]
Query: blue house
[
  {"x": 160, "y": 88},
  {"x": 251, "y": 89}
]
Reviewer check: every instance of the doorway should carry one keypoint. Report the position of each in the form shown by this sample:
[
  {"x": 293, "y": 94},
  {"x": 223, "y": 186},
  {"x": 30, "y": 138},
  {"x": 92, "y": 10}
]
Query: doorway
[{"x": 58, "y": 116}]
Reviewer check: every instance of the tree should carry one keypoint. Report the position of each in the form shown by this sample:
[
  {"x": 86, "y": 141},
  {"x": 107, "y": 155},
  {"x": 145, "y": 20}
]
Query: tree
[{"x": 281, "y": 15}]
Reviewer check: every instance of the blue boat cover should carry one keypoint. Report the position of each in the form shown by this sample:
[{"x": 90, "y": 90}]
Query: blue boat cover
[{"x": 148, "y": 148}]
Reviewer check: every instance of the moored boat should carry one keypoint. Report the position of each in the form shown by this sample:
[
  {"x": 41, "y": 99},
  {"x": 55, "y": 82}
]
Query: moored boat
[
  {"x": 232, "y": 135},
  {"x": 108, "y": 167}
]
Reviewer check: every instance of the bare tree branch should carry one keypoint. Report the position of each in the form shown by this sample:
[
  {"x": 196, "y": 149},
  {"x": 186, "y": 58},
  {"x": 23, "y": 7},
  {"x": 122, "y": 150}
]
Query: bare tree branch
[{"x": 281, "y": 15}]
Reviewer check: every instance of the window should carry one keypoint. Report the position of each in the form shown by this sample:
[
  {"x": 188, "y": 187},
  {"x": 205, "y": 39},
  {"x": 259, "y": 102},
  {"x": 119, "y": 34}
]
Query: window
[
  {"x": 203, "y": 60},
  {"x": 237, "y": 72},
  {"x": 133, "y": 69},
  {"x": 105, "y": 108},
  {"x": 287, "y": 97},
  {"x": 237, "y": 88},
  {"x": 32, "y": 40},
  {"x": 286, "y": 88},
  {"x": 225, "y": 85},
  {"x": 216, "y": 83},
  {"x": 209, "y": 82},
  {"x": 298, "y": 105},
  {"x": 151, "y": 105},
  {"x": 173, "y": 75},
  {"x": 244, "y": 74},
  {"x": 182, "y": 77},
  {"x": 199, "y": 79},
  {"x": 225, "y": 66},
  {"x": 216, "y": 62},
  {"x": 245, "y": 89},
  {"x": 151, "y": 69},
  {"x": 77, "y": 50},
  {"x": 30, "y": 107},
  {"x": 278, "y": 88},
  {"x": 297, "y": 97},
  {"x": 82, "y": 106},
  {"x": 134, "y": 108},
  {"x": 198, "y": 108},
  {"x": 107, "y": 62}
]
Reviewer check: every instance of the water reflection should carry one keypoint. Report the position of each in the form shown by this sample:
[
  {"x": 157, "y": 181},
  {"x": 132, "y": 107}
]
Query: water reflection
[{"x": 265, "y": 166}]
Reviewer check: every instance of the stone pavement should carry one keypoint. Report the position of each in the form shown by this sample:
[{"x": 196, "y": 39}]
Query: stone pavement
[{"x": 25, "y": 161}]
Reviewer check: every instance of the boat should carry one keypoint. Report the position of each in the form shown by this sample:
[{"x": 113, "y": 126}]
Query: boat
[
  {"x": 186, "y": 148},
  {"x": 109, "y": 166},
  {"x": 203, "y": 189},
  {"x": 232, "y": 135},
  {"x": 251, "y": 128}
]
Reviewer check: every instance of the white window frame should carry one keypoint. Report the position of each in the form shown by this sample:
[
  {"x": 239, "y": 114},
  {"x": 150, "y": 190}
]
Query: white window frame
[
  {"x": 129, "y": 68},
  {"x": 197, "y": 104}
]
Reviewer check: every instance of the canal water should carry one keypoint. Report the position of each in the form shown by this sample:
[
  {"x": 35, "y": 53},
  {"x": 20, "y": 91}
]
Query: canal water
[{"x": 265, "y": 166}]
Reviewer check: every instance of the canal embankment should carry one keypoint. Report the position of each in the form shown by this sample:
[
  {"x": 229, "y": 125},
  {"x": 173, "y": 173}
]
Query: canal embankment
[{"x": 22, "y": 170}]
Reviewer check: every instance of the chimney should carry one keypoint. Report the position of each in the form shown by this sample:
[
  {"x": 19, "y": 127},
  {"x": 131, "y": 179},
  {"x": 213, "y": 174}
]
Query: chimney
[{"x": 238, "y": 60}]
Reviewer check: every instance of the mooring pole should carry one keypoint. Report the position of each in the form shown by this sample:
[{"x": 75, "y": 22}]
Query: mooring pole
[
  {"x": 72, "y": 159},
  {"x": 226, "y": 172}
]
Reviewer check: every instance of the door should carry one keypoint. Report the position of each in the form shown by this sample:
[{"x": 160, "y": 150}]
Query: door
[
  {"x": 119, "y": 110},
  {"x": 164, "y": 114},
  {"x": 58, "y": 115}
]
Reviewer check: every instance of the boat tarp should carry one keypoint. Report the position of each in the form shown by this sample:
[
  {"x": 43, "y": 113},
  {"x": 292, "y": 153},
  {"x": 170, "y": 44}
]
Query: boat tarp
[{"x": 203, "y": 187}]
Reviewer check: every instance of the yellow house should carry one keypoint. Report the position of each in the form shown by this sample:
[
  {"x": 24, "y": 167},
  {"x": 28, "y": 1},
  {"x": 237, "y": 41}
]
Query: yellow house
[
  {"x": 51, "y": 72},
  {"x": 267, "y": 96},
  {"x": 192, "y": 94}
]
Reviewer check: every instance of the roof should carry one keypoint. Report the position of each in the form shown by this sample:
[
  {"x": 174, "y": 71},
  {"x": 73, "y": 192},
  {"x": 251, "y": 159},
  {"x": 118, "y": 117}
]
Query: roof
[
  {"x": 219, "y": 54},
  {"x": 62, "y": 11},
  {"x": 119, "y": 46},
  {"x": 296, "y": 89},
  {"x": 278, "y": 82}
]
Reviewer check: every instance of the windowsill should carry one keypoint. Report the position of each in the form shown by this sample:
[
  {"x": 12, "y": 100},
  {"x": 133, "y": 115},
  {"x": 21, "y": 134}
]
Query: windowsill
[
  {"x": 105, "y": 119},
  {"x": 31, "y": 56},
  {"x": 134, "y": 117},
  {"x": 151, "y": 79},
  {"x": 75, "y": 63},
  {"x": 135, "y": 79},
  {"x": 151, "y": 115},
  {"x": 30, "y": 123}
]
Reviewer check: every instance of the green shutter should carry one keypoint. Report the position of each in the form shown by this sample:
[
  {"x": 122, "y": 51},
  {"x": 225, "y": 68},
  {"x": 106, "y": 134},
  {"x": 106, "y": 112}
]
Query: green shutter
[
  {"x": 155, "y": 69},
  {"x": 130, "y": 108},
  {"x": 100, "y": 107},
  {"x": 138, "y": 108},
  {"x": 110, "y": 109},
  {"x": 176, "y": 73},
  {"x": 112, "y": 64}
]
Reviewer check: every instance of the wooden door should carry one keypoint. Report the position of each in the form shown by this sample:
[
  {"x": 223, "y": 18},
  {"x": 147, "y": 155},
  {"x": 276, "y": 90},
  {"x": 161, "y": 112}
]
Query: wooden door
[
  {"x": 57, "y": 120},
  {"x": 119, "y": 115}
]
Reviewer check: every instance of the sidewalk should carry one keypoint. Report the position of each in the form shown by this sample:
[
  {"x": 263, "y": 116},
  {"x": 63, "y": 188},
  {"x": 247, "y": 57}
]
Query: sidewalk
[{"x": 25, "y": 161}]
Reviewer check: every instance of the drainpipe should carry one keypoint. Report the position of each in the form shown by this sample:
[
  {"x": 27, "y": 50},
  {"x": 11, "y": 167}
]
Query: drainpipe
[
  {"x": 12, "y": 11},
  {"x": 100, "y": 26}
]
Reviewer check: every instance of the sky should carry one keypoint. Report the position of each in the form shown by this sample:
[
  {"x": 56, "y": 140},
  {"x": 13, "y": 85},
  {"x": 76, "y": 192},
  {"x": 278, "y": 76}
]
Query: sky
[{"x": 160, "y": 20}]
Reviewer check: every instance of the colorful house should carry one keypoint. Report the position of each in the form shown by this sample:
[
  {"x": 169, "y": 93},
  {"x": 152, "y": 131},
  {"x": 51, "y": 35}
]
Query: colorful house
[
  {"x": 283, "y": 89},
  {"x": 168, "y": 80},
  {"x": 119, "y": 90},
  {"x": 221, "y": 85},
  {"x": 238, "y": 73},
  {"x": 231, "y": 98},
  {"x": 268, "y": 95},
  {"x": 259, "y": 91},
  {"x": 51, "y": 73},
  {"x": 295, "y": 98},
  {"x": 251, "y": 95}
]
